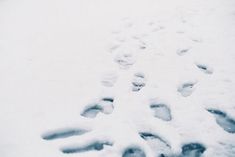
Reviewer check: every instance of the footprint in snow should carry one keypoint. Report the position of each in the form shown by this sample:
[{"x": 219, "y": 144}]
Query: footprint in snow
[
  {"x": 71, "y": 132},
  {"x": 159, "y": 146},
  {"x": 192, "y": 150},
  {"x": 63, "y": 133},
  {"x": 183, "y": 51},
  {"x": 133, "y": 152},
  {"x": 93, "y": 146},
  {"x": 138, "y": 82},
  {"x": 186, "y": 89},
  {"x": 105, "y": 106},
  {"x": 161, "y": 111},
  {"x": 205, "y": 68},
  {"x": 124, "y": 60},
  {"x": 109, "y": 79},
  {"x": 91, "y": 111},
  {"x": 223, "y": 120}
]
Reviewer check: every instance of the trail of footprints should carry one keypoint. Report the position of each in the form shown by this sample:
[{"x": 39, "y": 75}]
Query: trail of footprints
[{"x": 105, "y": 105}]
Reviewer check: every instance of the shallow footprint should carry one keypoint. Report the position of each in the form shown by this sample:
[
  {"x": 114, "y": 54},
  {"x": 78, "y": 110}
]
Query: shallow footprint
[
  {"x": 183, "y": 51},
  {"x": 204, "y": 68},
  {"x": 161, "y": 111},
  {"x": 109, "y": 79},
  {"x": 63, "y": 133},
  {"x": 186, "y": 89},
  {"x": 138, "y": 82},
  {"x": 160, "y": 147},
  {"x": 125, "y": 60},
  {"x": 133, "y": 152},
  {"x": 192, "y": 150},
  {"x": 95, "y": 146},
  {"x": 223, "y": 120},
  {"x": 91, "y": 111}
]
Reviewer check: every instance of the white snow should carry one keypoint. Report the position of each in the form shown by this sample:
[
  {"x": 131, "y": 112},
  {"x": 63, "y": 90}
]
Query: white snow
[{"x": 59, "y": 56}]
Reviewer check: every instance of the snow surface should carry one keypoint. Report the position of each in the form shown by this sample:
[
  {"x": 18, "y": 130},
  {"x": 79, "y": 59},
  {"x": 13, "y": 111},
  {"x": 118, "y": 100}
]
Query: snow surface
[{"x": 58, "y": 57}]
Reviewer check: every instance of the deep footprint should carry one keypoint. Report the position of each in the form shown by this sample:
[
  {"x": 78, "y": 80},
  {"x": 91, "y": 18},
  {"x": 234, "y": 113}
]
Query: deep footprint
[
  {"x": 223, "y": 120},
  {"x": 206, "y": 69},
  {"x": 91, "y": 111},
  {"x": 108, "y": 99},
  {"x": 105, "y": 105},
  {"x": 186, "y": 89},
  {"x": 161, "y": 111},
  {"x": 192, "y": 150},
  {"x": 133, "y": 152},
  {"x": 149, "y": 136},
  {"x": 159, "y": 146},
  {"x": 63, "y": 133},
  {"x": 95, "y": 146},
  {"x": 138, "y": 82}
]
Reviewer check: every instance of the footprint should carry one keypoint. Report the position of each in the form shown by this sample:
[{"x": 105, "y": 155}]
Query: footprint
[
  {"x": 158, "y": 28},
  {"x": 161, "y": 111},
  {"x": 192, "y": 150},
  {"x": 91, "y": 111},
  {"x": 183, "y": 51},
  {"x": 186, "y": 89},
  {"x": 125, "y": 60},
  {"x": 114, "y": 47},
  {"x": 138, "y": 82},
  {"x": 133, "y": 152},
  {"x": 94, "y": 146},
  {"x": 206, "y": 69},
  {"x": 109, "y": 79},
  {"x": 108, "y": 100},
  {"x": 105, "y": 105},
  {"x": 160, "y": 147},
  {"x": 223, "y": 120},
  {"x": 63, "y": 133}
]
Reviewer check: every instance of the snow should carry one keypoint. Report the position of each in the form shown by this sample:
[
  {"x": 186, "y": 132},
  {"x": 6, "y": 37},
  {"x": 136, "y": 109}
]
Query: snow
[{"x": 57, "y": 57}]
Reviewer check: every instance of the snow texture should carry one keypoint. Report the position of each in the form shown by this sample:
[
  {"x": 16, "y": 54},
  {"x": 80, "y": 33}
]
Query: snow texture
[{"x": 117, "y": 78}]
